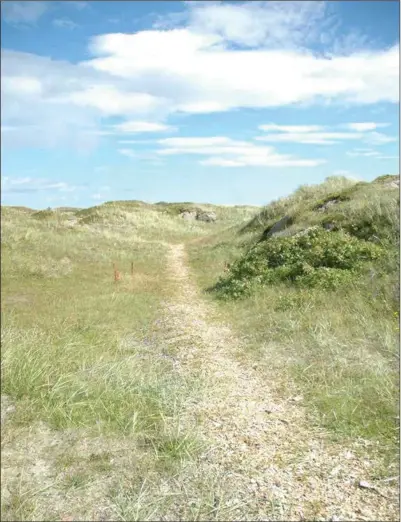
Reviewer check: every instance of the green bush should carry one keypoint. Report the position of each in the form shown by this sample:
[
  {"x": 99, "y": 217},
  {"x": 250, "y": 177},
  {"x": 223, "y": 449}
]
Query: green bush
[{"x": 317, "y": 258}]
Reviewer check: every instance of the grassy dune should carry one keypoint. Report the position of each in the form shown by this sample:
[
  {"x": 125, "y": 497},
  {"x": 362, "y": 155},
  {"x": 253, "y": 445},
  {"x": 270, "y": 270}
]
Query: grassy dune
[
  {"x": 81, "y": 357},
  {"x": 340, "y": 346},
  {"x": 93, "y": 425}
]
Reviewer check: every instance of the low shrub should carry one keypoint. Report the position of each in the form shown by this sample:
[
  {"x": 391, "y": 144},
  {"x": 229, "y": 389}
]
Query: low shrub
[{"x": 317, "y": 258}]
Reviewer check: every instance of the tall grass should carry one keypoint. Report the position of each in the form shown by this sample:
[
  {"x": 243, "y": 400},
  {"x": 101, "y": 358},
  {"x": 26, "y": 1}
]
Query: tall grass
[
  {"x": 338, "y": 347},
  {"x": 76, "y": 358}
]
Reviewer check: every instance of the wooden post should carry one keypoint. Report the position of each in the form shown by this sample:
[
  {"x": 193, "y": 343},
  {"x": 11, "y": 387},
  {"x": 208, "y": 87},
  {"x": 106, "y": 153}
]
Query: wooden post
[{"x": 117, "y": 274}]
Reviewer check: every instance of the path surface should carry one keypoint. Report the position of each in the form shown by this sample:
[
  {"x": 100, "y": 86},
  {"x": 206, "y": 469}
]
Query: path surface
[
  {"x": 264, "y": 459},
  {"x": 260, "y": 460}
]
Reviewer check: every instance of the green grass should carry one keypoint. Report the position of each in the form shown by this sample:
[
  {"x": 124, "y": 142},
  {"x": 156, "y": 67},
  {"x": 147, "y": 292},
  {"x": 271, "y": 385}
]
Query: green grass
[
  {"x": 98, "y": 404},
  {"x": 72, "y": 339},
  {"x": 338, "y": 344},
  {"x": 365, "y": 210},
  {"x": 63, "y": 323},
  {"x": 83, "y": 357}
]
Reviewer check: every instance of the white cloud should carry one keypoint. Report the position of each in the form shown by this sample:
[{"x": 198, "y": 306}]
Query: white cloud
[
  {"x": 110, "y": 101},
  {"x": 365, "y": 126},
  {"x": 23, "y": 12},
  {"x": 131, "y": 142},
  {"x": 141, "y": 126},
  {"x": 195, "y": 143},
  {"x": 32, "y": 88},
  {"x": 221, "y": 162},
  {"x": 198, "y": 75},
  {"x": 21, "y": 85},
  {"x": 225, "y": 152},
  {"x": 290, "y": 128},
  {"x": 322, "y": 135},
  {"x": 28, "y": 184},
  {"x": 315, "y": 138},
  {"x": 201, "y": 67}
]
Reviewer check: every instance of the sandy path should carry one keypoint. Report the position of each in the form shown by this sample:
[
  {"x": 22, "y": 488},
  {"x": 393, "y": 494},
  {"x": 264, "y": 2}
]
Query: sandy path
[{"x": 268, "y": 463}]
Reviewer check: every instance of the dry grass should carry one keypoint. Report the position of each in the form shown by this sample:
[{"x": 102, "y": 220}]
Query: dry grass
[
  {"x": 73, "y": 363},
  {"x": 340, "y": 348},
  {"x": 114, "y": 392}
]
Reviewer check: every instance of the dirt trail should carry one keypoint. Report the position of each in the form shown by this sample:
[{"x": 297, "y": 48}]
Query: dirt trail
[{"x": 268, "y": 463}]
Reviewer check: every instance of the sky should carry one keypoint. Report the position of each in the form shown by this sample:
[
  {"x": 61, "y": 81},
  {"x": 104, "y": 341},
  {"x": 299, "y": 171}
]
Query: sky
[{"x": 219, "y": 102}]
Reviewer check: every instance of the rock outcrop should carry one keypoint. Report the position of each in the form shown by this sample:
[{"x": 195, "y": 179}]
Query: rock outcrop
[{"x": 199, "y": 215}]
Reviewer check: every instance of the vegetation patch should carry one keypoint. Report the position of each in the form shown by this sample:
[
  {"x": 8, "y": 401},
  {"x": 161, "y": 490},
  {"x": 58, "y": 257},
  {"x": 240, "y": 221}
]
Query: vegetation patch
[
  {"x": 316, "y": 258},
  {"x": 319, "y": 309},
  {"x": 386, "y": 178},
  {"x": 298, "y": 203},
  {"x": 44, "y": 214}
]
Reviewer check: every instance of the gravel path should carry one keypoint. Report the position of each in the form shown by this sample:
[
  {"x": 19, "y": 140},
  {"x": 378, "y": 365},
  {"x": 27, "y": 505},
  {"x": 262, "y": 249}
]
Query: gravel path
[{"x": 267, "y": 462}]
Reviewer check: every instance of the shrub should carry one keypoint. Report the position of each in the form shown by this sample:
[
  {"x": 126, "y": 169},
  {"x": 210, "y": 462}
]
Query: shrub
[{"x": 315, "y": 258}]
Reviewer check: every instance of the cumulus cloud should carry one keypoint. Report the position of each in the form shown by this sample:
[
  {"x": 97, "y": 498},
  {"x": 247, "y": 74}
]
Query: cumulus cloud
[
  {"x": 225, "y": 152},
  {"x": 111, "y": 101},
  {"x": 199, "y": 75},
  {"x": 32, "y": 90},
  {"x": 222, "y": 57}
]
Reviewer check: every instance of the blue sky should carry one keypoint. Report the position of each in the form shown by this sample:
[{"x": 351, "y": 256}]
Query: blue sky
[{"x": 220, "y": 102}]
